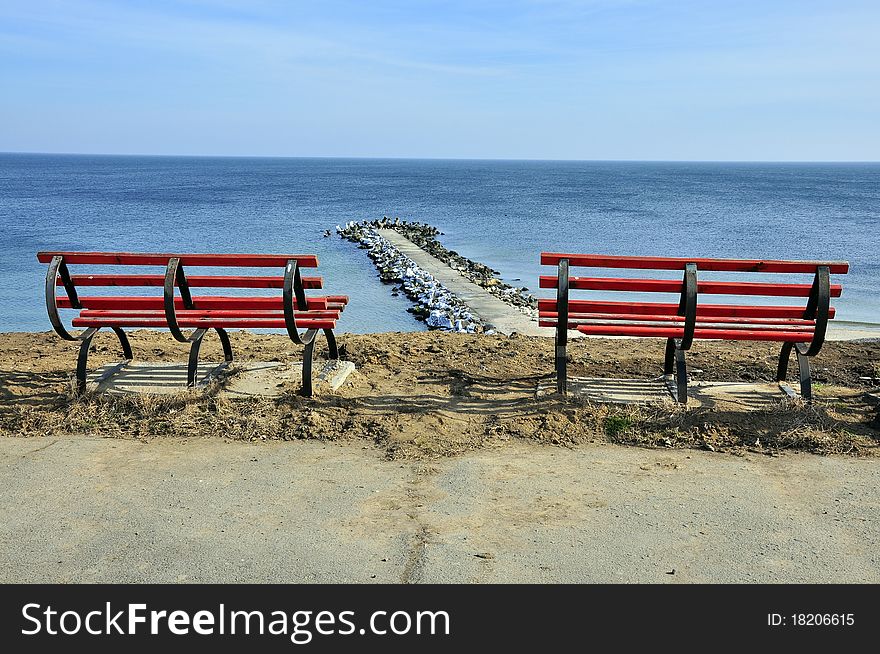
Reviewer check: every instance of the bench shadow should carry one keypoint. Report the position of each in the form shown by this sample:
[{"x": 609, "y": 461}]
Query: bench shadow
[
  {"x": 535, "y": 394},
  {"x": 145, "y": 378},
  {"x": 615, "y": 391},
  {"x": 749, "y": 396},
  {"x": 467, "y": 395}
]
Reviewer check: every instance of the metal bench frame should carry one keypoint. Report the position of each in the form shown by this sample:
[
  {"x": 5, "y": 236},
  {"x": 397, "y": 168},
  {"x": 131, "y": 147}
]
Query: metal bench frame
[
  {"x": 675, "y": 365},
  {"x": 175, "y": 277}
]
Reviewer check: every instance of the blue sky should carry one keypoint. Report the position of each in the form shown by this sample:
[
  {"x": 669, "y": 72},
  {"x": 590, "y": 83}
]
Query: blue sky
[{"x": 545, "y": 79}]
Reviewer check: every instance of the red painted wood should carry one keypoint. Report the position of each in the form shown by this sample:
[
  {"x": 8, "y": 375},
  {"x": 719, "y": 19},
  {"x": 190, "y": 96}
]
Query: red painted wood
[
  {"x": 678, "y": 263},
  {"x": 718, "y": 334},
  {"x": 552, "y": 315},
  {"x": 195, "y": 281},
  {"x": 658, "y": 308},
  {"x": 200, "y": 302},
  {"x": 156, "y": 259},
  {"x": 210, "y": 313},
  {"x": 674, "y": 286},
  {"x": 708, "y": 324},
  {"x": 236, "y": 323}
]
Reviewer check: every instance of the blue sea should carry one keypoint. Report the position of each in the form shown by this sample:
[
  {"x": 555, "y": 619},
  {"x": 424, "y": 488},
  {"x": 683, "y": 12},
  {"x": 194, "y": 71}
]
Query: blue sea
[{"x": 502, "y": 213}]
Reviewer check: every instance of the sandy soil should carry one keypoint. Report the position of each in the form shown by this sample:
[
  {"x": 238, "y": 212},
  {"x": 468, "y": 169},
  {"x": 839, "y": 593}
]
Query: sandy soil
[{"x": 427, "y": 395}]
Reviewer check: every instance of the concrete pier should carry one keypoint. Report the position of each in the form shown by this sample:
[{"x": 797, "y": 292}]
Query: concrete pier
[{"x": 505, "y": 318}]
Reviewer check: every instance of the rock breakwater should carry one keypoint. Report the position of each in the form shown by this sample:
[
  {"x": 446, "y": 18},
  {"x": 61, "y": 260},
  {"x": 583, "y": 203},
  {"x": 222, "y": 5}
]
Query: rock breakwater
[
  {"x": 394, "y": 266},
  {"x": 436, "y": 305}
]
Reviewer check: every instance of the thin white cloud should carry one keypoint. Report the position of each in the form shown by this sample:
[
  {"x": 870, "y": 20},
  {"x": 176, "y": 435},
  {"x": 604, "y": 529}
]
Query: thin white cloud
[{"x": 95, "y": 25}]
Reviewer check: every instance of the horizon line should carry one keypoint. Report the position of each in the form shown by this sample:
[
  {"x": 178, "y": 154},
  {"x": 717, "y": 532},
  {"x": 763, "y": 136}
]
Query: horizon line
[{"x": 423, "y": 158}]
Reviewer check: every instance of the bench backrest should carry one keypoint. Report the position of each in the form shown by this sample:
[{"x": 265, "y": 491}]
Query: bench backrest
[
  {"x": 157, "y": 259},
  {"x": 177, "y": 283},
  {"x": 741, "y": 313},
  {"x": 73, "y": 282}
]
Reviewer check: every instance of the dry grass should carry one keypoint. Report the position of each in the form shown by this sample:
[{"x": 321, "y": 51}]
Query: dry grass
[
  {"x": 433, "y": 395},
  {"x": 792, "y": 426}
]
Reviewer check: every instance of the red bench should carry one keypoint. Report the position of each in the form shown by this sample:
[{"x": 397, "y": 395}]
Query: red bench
[
  {"x": 178, "y": 308},
  {"x": 801, "y": 328}
]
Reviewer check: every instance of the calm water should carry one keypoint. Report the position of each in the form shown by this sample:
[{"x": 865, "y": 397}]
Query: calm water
[{"x": 500, "y": 213}]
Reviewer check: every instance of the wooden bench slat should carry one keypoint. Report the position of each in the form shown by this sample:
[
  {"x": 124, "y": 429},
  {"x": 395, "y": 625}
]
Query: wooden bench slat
[
  {"x": 157, "y": 259},
  {"x": 200, "y": 302},
  {"x": 706, "y": 324},
  {"x": 658, "y": 308},
  {"x": 768, "y": 289},
  {"x": 678, "y": 263},
  {"x": 573, "y": 317},
  {"x": 235, "y": 323},
  {"x": 195, "y": 281},
  {"x": 716, "y": 334},
  {"x": 210, "y": 313}
]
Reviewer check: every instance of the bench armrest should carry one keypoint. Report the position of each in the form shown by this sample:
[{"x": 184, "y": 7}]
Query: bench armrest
[
  {"x": 818, "y": 309},
  {"x": 687, "y": 307},
  {"x": 57, "y": 267},
  {"x": 293, "y": 288},
  {"x": 174, "y": 276}
]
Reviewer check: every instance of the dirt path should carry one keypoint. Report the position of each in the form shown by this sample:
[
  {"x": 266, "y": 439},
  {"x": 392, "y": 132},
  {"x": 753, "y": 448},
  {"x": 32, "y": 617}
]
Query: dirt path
[{"x": 210, "y": 510}]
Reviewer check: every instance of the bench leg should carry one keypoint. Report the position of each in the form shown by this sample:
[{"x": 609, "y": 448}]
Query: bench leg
[
  {"x": 803, "y": 370},
  {"x": 804, "y": 373},
  {"x": 224, "y": 341},
  {"x": 123, "y": 341},
  {"x": 562, "y": 327},
  {"x": 192, "y": 368},
  {"x": 331, "y": 344},
  {"x": 83, "y": 358},
  {"x": 675, "y": 364},
  {"x": 308, "y": 357},
  {"x": 784, "y": 356},
  {"x": 669, "y": 361},
  {"x": 561, "y": 370},
  {"x": 681, "y": 376}
]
